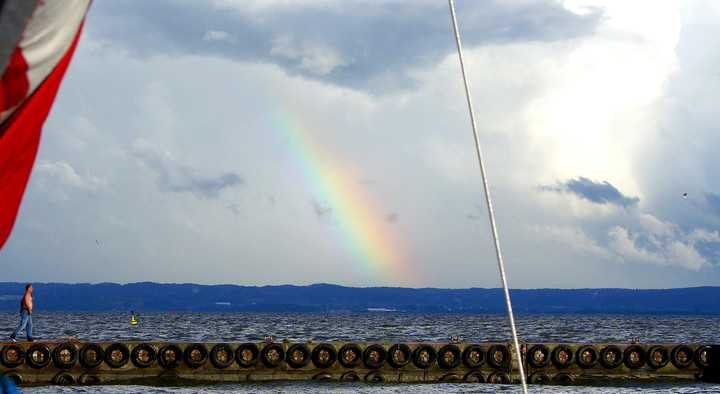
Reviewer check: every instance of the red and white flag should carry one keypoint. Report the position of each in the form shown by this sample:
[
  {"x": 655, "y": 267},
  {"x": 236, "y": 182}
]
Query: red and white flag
[{"x": 37, "y": 40}]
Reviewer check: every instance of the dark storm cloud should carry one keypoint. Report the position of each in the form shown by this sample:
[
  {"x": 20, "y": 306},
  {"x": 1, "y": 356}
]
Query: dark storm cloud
[
  {"x": 597, "y": 192},
  {"x": 323, "y": 212},
  {"x": 375, "y": 45},
  {"x": 177, "y": 178}
]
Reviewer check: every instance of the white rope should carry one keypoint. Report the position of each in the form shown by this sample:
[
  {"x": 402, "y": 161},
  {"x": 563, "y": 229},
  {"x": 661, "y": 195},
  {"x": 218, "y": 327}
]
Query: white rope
[{"x": 489, "y": 203}]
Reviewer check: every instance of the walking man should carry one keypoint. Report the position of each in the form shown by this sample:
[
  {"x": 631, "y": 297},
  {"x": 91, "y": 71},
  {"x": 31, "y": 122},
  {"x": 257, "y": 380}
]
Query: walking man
[{"x": 26, "y": 311}]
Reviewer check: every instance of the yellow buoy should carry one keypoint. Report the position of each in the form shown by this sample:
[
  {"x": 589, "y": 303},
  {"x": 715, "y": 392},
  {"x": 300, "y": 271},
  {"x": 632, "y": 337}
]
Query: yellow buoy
[{"x": 132, "y": 318}]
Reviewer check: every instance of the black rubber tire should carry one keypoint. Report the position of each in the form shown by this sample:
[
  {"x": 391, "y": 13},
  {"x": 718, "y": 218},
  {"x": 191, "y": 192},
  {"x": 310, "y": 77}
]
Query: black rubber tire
[
  {"x": 563, "y": 378},
  {"x": 499, "y": 377},
  {"x": 298, "y": 355},
  {"x": 90, "y": 377},
  {"x": 449, "y": 357},
  {"x": 116, "y": 348},
  {"x": 272, "y": 355},
  {"x": 473, "y": 356},
  {"x": 539, "y": 377},
  {"x": 375, "y": 377},
  {"x": 215, "y": 358},
  {"x": 662, "y": 353},
  {"x": 475, "y": 377},
  {"x": 170, "y": 356},
  {"x": 63, "y": 350},
  {"x": 323, "y": 356},
  {"x": 702, "y": 355},
  {"x": 350, "y": 355},
  {"x": 676, "y": 356},
  {"x": 493, "y": 352},
  {"x": 374, "y": 356},
  {"x": 151, "y": 355},
  {"x": 64, "y": 378},
  {"x": 91, "y": 355},
  {"x": 587, "y": 350},
  {"x": 557, "y": 356},
  {"x": 629, "y": 360},
  {"x": 192, "y": 351},
  {"x": 399, "y": 355},
  {"x": 611, "y": 357},
  {"x": 12, "y": 363},
  {"x": 543, "y": 358},
  {"x": 351, "y": 376},
  {"x": 243, "y": 351},
  {"x": 424, "y": 356},
  {"x": 451, "y": 377},
  {"x": 323, "y": 376},
  {"x": 43, "y": 351}
]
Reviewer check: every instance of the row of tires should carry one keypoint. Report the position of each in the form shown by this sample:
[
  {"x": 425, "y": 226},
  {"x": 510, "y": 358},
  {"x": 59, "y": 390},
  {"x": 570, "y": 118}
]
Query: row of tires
[
  {"x": 273, "y": 355},
  {"x": 65, "y": 377},
  {"x": 633, "y": 356},
  {"x": 247, "y": 355}
]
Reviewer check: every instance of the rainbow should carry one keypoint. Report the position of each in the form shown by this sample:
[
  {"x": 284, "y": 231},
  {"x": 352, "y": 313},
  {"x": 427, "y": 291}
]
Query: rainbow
[{"x": 361, "y": 228}]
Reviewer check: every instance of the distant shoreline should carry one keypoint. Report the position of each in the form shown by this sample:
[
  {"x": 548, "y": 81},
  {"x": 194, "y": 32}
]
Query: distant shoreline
[{"x": 326, "y": 298}]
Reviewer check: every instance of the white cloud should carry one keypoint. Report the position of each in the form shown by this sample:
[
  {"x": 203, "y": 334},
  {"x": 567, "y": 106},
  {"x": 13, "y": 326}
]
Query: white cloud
[
  {"x": 60, "y": 181},
  {"x": 574, "y": 238},
  {"x": 62, "y": 172},
  {"x": 316, "y": 57},
  {"x": 669, "y": 248},
  {"x": 703, "y": 235},
  {"x": 218, "y": 35},
  {"x": 656, "y": 226},
  {"x": 685, "y": 255},
  {"x": 624, "y": 244}
]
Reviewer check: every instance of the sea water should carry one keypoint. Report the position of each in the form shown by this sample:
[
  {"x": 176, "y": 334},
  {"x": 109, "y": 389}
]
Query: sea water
[{"x": 370, "y": 327}]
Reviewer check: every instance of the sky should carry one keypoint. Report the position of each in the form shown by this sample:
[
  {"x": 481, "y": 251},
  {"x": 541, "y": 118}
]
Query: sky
[{"x": 298, "y": 142}]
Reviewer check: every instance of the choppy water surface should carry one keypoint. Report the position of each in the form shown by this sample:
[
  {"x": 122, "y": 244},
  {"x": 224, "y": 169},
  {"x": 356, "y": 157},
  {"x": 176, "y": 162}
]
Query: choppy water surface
[{"x": 381, "y": 327}]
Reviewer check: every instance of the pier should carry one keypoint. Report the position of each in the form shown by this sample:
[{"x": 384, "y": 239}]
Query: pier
[{"x": 74, "y": 362}]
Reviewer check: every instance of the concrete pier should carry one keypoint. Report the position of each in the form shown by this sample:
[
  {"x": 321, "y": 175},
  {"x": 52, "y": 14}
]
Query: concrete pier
[{"x": 74, "y": 362}]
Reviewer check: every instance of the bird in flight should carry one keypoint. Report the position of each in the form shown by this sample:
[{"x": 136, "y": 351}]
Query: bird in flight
[{"x": 684, "y": 195}]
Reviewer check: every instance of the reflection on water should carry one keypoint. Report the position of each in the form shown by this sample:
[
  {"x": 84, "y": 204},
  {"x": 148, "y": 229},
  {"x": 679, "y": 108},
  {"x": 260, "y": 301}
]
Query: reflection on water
[{"x": 379, "y": 327}]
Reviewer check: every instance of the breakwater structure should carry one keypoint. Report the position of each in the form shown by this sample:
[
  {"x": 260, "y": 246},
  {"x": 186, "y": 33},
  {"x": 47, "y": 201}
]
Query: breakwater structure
[{"x": 73, "y": 362}]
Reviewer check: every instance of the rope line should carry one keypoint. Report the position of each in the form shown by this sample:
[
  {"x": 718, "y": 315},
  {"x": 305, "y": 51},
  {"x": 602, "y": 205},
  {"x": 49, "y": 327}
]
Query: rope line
[
  {"x": 68, "y": 338},
  {"x": 491, "y": 215}
]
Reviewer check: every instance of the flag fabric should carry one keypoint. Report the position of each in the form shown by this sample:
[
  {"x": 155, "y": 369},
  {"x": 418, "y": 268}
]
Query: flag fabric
[{"x": 37, "y": 40}]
